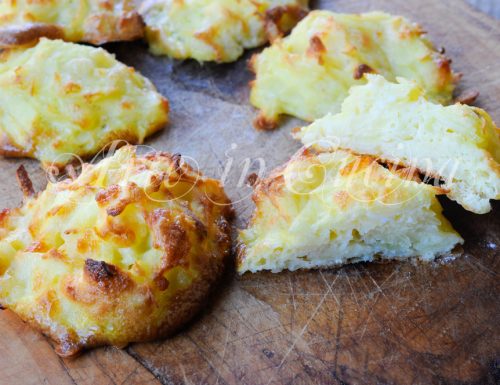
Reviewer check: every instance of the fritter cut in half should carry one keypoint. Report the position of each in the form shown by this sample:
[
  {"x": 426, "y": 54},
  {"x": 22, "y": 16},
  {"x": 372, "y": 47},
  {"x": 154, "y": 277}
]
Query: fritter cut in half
[
  {"x": 327, "y": 209},
  {"x": 125, "y": 252},
  {"x": 92, "y": 21},
  {"x": 397, "y": 123},
  {"x": 309, "y": 73},
  {"x": 216, "y": 30},
  {"x": 62, "y": 99}
]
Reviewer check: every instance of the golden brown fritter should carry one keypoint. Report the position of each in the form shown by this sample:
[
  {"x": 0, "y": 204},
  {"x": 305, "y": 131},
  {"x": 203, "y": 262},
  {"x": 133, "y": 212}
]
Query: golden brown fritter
[
  {"x": 91, "y": 21},
  {"x": 395, "y": 121},
  {"x": 309, "y": 73},
  {"x": 60, "y": 100},
  {"x": 125, "y": 252},
  {"x": 216, "y": 30},
  {"x": 331, "y": 208}
]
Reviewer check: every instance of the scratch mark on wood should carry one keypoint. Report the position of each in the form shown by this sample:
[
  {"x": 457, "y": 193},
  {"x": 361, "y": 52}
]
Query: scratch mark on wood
[
  {"x": 300, "y": 335},
  {"x": 340, "y": 317},
  {"x": 156, "y": 372},
  {"x": 224, "y": 351},
  {"x": 184, "y": 376},
  {"x": 63, "y": 365},
  {"x": 103, "y": 369},
  {"x": 132, "y": 373},
  {"x": 204, "y": 356}
]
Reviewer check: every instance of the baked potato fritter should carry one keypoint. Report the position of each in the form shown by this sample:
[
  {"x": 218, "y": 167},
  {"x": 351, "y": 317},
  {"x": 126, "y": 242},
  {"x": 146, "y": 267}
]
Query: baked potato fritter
[
  {"x": 125, "y": 252},
  {"x": 309, "y": 73},
  {"x": 394, "y": 121},
  {"x": 91, "y": 21},
  {"x": 62, "y": 99},
  {"x": 328, "y": 209},
  {"x": 216, "y": 30}
]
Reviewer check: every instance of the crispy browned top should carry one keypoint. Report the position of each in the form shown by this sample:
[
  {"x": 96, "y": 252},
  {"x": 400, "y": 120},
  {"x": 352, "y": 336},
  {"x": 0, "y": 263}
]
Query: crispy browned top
[{"x": 124, "y": 252}]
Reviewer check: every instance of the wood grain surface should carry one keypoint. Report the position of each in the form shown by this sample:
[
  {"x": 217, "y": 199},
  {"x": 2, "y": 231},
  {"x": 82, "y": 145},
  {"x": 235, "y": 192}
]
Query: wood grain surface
[
  {"x": 491, "y": 7},
  {"x": 394, "y": 323}
]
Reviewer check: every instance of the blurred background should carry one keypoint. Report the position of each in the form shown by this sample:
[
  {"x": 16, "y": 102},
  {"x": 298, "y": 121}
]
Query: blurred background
[{"x": 491, "y": 7}]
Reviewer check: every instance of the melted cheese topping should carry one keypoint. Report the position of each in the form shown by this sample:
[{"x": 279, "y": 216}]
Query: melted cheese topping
[
  {"x": 216, "y": 30},
  {"x": 92, "y": 21},
  {"x": 328, "y": 209},
  {"x": 62, "y": 99},
  {"x": 395, "y": 121},
  {"x": 309, "y": 73},
  {"x": 125, "y": 252}
]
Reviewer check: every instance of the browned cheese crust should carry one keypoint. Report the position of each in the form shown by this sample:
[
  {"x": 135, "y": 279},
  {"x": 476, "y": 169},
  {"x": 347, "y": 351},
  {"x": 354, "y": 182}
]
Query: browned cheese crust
[{"x": 129, "y": 254}]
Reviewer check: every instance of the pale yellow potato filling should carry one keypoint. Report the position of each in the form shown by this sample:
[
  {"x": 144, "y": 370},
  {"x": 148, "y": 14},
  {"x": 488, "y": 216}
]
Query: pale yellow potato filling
[
  {"x": 332, "y": 208},
  {"x": 396, "y": 122}
]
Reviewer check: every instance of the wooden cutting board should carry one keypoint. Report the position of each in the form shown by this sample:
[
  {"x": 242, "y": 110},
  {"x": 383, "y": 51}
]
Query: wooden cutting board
[{"x": 395, "y": 323}]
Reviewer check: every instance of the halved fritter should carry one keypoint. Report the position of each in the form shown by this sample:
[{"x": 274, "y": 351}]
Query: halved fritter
[
  {"x": 125, "y": 252},
  {"x": 309, "y": 73},
  {"x": 216, "y": 30},
  {"x": 61, "y": 99},
  {"x": 332, "y": 208},
  {"x": 91, "y": 21},
  {"x": 396, "y": 122}
]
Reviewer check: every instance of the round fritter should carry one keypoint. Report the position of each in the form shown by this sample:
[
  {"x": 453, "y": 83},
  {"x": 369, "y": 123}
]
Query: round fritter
[
  {"x": 60, "y": 100},
  {"x": 216, "y": 30},
  {"x": 125, "y": 252},
  {"x": 91, "y": 21}
]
